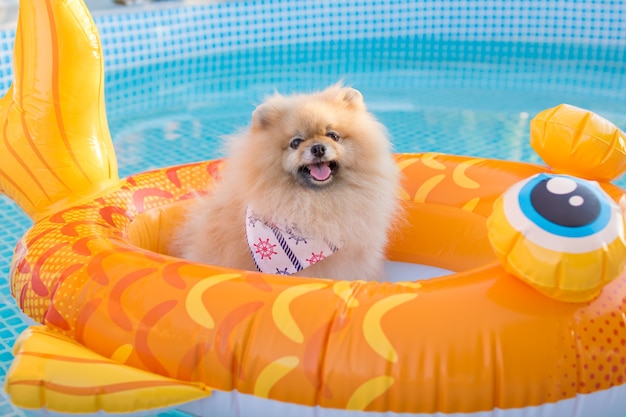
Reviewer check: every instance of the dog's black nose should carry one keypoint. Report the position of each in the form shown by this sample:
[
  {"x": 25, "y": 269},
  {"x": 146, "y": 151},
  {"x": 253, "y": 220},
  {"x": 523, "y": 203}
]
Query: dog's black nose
[{"x": 318, "y": 150}]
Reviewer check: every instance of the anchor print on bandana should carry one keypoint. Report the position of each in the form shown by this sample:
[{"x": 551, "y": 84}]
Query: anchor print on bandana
[{"x": 282, "y": 248}]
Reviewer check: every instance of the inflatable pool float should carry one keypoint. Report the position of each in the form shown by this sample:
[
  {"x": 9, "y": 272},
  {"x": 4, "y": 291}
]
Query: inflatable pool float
[{"x": 531, "y": 323}]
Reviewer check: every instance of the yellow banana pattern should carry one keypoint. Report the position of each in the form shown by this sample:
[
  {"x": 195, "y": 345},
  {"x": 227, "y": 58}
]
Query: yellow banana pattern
[{"x": 373, "y": 329}]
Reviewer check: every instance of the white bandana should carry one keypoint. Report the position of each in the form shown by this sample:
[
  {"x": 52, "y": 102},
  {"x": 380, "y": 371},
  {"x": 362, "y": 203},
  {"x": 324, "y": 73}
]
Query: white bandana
[{"x": 281, "y": 248}]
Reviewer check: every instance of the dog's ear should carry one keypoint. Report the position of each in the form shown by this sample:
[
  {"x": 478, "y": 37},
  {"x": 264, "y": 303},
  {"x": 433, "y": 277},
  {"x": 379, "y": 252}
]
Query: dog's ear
[
  {"x": 267, "y": 112},
  {"x": 353, "y": 97},
  {"x": 263, "y": 115},
  {"x": 350, "y": 96}
]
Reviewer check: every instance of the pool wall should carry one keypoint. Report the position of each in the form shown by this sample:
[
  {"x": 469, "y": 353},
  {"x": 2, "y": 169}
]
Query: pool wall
[
  {"x": 506, "y": 31},
  {"x": 167, "y": 31},
  {"x": 163, "y": 33}
]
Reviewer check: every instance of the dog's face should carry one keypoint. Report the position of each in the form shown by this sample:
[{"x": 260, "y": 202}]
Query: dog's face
[
  {"x": 321, "y": 138},
  {"x": 314, "y": 157}
]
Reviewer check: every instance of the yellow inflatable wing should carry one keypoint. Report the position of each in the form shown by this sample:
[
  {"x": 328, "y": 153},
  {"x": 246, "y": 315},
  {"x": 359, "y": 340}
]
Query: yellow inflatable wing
[
  {"x": 55, "y": 136},
  {"x": 53, "y": 371}
]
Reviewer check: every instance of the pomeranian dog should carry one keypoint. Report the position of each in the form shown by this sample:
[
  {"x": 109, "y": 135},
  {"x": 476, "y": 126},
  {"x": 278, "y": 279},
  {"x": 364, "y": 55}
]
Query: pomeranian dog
[{"x": 310, "y": 188}]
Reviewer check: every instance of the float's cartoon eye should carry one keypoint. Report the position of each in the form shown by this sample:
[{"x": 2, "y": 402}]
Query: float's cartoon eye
[
  {"x": 565, "y": 202},
  {"x": 562, "y": 213},
  {"x": 564, "y": 206},
  {"x": 562, "y": 235}
]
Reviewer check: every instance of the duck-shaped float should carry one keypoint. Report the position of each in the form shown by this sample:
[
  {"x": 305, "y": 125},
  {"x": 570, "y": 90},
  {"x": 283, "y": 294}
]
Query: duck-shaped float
[{"x": 531, "y": 323}]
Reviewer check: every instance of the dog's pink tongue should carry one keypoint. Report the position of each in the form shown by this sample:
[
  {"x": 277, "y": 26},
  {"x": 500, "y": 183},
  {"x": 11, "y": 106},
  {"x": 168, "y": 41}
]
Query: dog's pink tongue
[{"x": 320, "y": 172}]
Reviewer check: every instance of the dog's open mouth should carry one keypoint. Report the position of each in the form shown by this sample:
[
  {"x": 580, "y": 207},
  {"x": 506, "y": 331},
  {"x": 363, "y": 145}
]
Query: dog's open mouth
[{"x": 318, "y": 173}]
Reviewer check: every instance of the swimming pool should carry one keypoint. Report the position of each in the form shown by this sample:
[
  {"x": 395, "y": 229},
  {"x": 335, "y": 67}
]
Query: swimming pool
[{"x": 452, "y": 77}]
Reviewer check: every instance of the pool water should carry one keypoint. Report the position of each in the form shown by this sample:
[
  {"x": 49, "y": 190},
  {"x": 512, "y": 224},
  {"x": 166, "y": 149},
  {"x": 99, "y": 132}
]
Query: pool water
[
  {"x": 460, "y": 97},
  {"x": 452, "y": 97}
]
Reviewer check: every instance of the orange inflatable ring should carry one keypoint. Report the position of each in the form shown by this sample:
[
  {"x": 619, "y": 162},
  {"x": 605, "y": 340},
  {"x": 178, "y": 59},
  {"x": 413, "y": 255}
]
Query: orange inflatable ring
[{"x": 126, "y": 328}]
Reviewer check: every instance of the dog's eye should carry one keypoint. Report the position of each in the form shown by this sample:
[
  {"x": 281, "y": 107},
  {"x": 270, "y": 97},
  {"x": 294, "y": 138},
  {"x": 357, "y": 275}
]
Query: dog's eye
[
  {"x": 295, "y": 142},
  {"x": 333, "y": 135}
]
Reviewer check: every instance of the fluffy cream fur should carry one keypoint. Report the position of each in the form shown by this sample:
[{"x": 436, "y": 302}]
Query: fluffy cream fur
[{"x": 266, "y": 169}]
